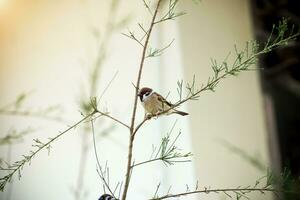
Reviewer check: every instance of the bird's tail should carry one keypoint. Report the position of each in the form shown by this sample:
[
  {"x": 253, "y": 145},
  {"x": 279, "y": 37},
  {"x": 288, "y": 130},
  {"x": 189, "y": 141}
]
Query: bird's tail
[{"x": 181, "y": 113}]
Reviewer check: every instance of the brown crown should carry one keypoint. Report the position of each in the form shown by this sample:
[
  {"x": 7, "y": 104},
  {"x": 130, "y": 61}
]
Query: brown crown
[{"x": 143, "y": 91}]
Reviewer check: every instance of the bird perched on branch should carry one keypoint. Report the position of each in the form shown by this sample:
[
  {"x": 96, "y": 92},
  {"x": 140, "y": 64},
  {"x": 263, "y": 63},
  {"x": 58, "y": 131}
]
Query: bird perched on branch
[
  {"x": 107, "y": 197},
  {"x": 155, "y": 104}
]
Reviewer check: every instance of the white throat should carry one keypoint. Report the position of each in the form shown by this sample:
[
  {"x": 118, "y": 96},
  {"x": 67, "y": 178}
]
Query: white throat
[{"x": 146, "y": 97}]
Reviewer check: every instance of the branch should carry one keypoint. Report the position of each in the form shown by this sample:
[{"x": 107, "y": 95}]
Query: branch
[
  {"x": 171, "y": 14},
  {"x": 141, "y": 124},
  {"x": 28, "y": 113},
  {"x": 269, "y": 183},
  {"x": 163, "y": 159},
  {"x": 111, "y": 117},
  {"x": 132, "y": 36},
  {"x": 147, "y": 5},
  {"x": 251, "y": 159},
  {"x": 242, "y": 62},
  {"x": 101, "y": 174},
  {"x": 101, "y": 53},
  {"x": 18, "y": 165},
  {"x": 167, "y": 152},
  {"x": 94, "y": 106},
  {"x": 206, "y": 191},
  {"x": 154, "y": 52},
  {"x": 16, "y": 108},
  {"x": 131, "y": 137}
]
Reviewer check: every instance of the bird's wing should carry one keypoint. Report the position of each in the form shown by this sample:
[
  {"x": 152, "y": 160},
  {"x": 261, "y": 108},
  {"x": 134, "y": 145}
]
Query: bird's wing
[{"x": 163, "y": 100}]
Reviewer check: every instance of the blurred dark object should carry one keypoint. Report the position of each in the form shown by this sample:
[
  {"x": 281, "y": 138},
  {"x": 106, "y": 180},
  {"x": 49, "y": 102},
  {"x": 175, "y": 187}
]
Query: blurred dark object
[
  {"x": 280, "y": 79},
  {"x": 107, "y": 197}
]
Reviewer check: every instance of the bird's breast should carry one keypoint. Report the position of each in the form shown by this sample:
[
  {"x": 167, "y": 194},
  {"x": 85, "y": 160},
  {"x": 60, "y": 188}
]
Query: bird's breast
[{"x": 151, "y": 105}]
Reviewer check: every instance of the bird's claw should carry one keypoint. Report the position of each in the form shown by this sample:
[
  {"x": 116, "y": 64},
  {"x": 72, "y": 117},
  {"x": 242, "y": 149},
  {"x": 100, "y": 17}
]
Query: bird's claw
[{"x": 148, "y": 116}]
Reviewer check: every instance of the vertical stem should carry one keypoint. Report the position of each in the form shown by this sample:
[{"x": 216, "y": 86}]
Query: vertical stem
[
  {"x": 94, "y": 79},
  {"x": 10, "y": 188},
  {"x": 82, "y": 167},
  {"x": 131, "y": 138}
]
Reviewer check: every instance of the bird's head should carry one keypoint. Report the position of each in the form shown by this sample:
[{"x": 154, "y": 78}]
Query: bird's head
[
  {"x": 107, "y": 197},
  {"x": 144, "y": 93}
]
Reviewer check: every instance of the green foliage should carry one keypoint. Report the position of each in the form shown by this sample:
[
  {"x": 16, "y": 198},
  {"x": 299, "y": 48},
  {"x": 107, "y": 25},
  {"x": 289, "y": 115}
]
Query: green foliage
[
  {"x": 14, "y": 136},
  {"x": 262, "y": 185},
  {"x": 17, "y": 108},
  {"x": 171, "y": 12},
  {"x": 251, "y": 159},
  {"x": 243, "y": 60},
  {"x": 283, "y": 181},
  {"x": 17, "y": 166},
  {"x": 154, "y": 52},
  {"x": 167, "y": 151}
]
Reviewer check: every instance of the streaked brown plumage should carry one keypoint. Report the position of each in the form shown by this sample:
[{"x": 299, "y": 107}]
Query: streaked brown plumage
[{"x": 154, "y": 103}]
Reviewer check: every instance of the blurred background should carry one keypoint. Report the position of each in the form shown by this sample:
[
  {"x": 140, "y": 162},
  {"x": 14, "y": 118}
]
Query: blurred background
[{"x": 55, "y": 55}]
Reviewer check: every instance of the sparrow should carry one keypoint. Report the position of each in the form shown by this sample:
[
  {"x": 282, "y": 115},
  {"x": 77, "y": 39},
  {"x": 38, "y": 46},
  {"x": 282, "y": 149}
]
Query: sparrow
[
  {"x": 107, "y": 197},
  {"x": 154, "y": 103}
]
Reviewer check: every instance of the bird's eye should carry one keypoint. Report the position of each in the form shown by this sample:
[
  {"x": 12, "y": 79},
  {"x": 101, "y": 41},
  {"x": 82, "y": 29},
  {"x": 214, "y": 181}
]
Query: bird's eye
[{"x": 147, "y": 94}]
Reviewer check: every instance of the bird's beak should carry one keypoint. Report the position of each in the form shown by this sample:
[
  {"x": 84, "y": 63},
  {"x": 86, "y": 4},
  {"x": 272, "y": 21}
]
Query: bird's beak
[{"x": 140, "y": 96}]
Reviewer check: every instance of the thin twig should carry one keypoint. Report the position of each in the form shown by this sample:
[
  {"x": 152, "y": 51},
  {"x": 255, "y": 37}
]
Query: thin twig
[
  {"x": 140, "y": 125},
  {"x": 111, "y": 117},
  {"x": 132, "y": 36},
  {"x": 231, "y": 71},
  {"x": 131, "y": 137},
  {"x": 107, "y": 86},
  {"x": 206, "y": 191},
  {"x": 20, "y": 164},
  {"x": 160, "y": 158},
  {"x": 147, "y": 161},
  {"x": 101, "y": 49},
  {"x": 32, "y": 114},
  {"x": 98, "y": 162}
]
